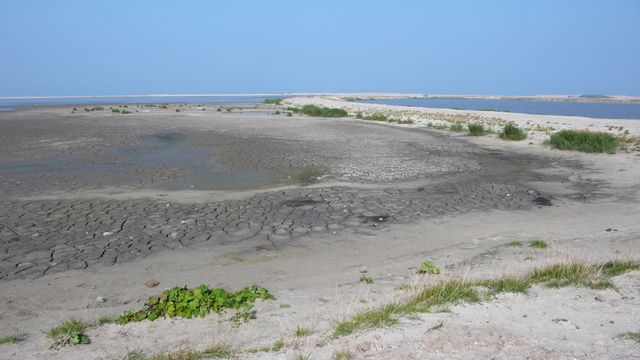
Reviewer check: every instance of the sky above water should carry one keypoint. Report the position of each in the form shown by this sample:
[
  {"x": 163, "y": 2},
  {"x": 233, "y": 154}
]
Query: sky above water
[{"x": 52, "y": 48}]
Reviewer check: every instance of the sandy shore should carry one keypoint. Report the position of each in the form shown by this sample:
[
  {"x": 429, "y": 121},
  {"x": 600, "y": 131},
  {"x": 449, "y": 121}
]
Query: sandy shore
[{"x": 82, "y": 241}]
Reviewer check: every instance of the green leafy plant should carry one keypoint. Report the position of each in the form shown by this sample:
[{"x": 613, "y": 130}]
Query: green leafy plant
[
  {"x": 427, "y": 267},
  {"x": 512, "y": 132},
  {"x": 197, "y": 302},
  {"x": 457, "y": 127},
  {"x": 366, "y": 279}
]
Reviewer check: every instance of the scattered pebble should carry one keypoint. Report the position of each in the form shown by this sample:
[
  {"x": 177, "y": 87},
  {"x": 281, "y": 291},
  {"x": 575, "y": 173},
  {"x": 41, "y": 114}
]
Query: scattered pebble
[{"x": 151, "y": 283}]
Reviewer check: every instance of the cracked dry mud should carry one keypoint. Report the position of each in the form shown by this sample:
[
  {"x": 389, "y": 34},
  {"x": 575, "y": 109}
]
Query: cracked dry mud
[{"x": 374, "y": 176}]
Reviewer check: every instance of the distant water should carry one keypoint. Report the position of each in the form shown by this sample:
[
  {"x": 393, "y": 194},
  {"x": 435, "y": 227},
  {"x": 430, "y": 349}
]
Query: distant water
[
  {"x": 589, "y": 109},
  {"x": 9, "y": 104}
]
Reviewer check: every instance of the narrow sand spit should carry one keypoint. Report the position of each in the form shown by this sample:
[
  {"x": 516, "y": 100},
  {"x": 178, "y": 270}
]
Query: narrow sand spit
[{"x": 95, "y": 204}]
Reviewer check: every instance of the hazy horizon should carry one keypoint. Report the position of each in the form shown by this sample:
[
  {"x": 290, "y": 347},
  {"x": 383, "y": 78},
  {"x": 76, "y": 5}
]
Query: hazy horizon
[{"x": 76, "y": 48}]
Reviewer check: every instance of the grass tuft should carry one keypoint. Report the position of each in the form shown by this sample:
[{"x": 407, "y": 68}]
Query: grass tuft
[
  {"x": 457, "y": 127},
  {"x": 14, "y": 338},
  {"x": 585, "y": 141},
  {"x": 301, "y": 332},
  {"x": 437, "y": 325},
  {"x": 219, "y": 351},
  {"x": 572, "y": 274},
  {"x": 538, "y": 244},
  {"x": 342, "y": 355},
  {"x": 615, "y": 268},
  {"x": 512, "y": 132},
  {"x": 515, "y": 243},
  {"x": 632, "y": 335},
  {"x": 507, "y": 285}
]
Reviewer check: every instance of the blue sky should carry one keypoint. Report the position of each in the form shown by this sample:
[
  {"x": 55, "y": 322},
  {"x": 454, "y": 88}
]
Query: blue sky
[{"x": 455, "y": 47}]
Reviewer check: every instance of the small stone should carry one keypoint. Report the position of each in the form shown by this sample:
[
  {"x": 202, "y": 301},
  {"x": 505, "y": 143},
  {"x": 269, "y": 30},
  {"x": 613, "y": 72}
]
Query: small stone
[
  {"x": 100, "y": 299},
  {"x": 151, "y": 283},
  {"x": 107, "y": 233},
  {"x": 364, "y": 346},
  {"x": 364, "y": 269},
  {"x": 531, "y": 192}
]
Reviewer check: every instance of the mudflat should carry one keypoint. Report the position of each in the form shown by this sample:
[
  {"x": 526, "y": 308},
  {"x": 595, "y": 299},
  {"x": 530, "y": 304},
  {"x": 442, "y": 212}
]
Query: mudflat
[{"x": 94, "y": 203}]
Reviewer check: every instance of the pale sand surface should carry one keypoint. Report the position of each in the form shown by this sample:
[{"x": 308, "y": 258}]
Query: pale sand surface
[{"x": 317, "y": 274}]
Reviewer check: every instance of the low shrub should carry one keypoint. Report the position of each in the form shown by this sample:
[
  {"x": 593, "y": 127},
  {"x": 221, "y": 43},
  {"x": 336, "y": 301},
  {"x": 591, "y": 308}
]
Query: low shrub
[
  {"x": 456, "y": 127},
  {"x": 477, "y": 130},
  {"x": 272, "y": 101}
]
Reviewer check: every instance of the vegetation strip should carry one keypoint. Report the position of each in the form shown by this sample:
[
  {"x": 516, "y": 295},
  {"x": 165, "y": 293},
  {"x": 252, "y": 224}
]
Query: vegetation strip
[
  {"x": 470, "y": 291},
  {"x": 313, "y": 110}
]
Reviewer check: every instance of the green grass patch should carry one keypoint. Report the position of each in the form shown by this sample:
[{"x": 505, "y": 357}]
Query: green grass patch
[
  {"x": 458, "y": 291},
  {"x": 515, "y": 244},
  {"x": 197, "y": 302},
  {"x": 512, "y": 132},
  {"x": 477, "y": 130},
  {"x": 507, "y": 284},
  {"x": 585, "y": 141},
  {"x": 573, "y": 274},
  {"x": 456, "y": 127},
  {"x": 538, "y": 244},
  {"x": 317, "y": 111},
  {"x": 70, "y": 332},
  {"x": 427, "y": 267},
  {"x": 277, "y": 345},
  {"x": 308, "y": 175},
  {"x": 614, "y": 268}
]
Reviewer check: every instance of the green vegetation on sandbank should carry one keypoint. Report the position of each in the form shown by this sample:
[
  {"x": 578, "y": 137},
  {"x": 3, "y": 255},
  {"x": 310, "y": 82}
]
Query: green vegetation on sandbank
[
  {"x": 317, "y": 111},
  {"x": 585, "y": 141}
]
